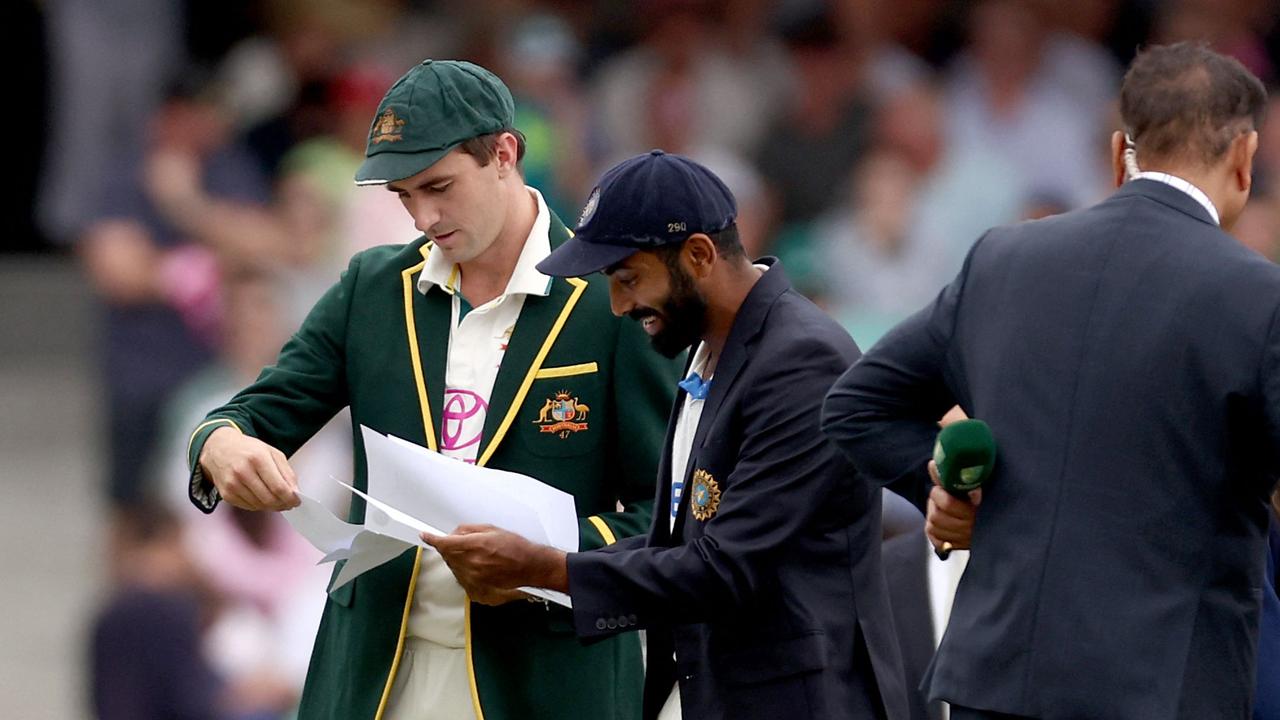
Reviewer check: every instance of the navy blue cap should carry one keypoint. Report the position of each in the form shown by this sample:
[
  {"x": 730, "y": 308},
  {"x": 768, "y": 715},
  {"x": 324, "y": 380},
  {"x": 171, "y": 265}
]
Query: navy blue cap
[{"x": 642, "y": 203}]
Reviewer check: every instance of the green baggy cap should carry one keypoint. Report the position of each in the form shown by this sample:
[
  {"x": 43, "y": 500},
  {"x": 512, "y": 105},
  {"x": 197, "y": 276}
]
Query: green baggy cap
[{"x": 428, "y": 112}]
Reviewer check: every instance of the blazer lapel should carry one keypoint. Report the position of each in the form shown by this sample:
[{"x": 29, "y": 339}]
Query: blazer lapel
[
  {"x": 539, "y": 325},
  {"x": 733, "y": 357},
  {"x": 427, "y": 318},
  {"x": 660, "y": 526},
  {"x": 731, "y": 361}
]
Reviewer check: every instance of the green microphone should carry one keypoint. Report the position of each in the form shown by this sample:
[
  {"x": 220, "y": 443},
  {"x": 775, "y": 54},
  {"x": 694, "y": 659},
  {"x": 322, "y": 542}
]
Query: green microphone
[{"x": 965, "y": 454}]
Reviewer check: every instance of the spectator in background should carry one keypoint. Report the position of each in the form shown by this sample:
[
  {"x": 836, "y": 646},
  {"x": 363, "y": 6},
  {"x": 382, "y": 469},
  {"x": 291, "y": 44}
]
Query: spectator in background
[
  {"x": 145, "y": 660},
  {"x": 1233, "y": 27},
  {"x": 156, "y": 280},
  {"x": 262, "y": 76},
  {"x": 318, "y": 220},
  {"x": 175, "y": 643},
  {"x": 807, "y": 153},
  {"x": 1073, "y": 59},
  {"x": 540, "y": 60},
  {"x": 269, "y": 587},
  {"x": 1259, "y": 227},
  {"x": 253, "y": 329},
  {"x": 915, "y": 205},
  {"x": 276, "y": 84},
  {"x": 321, "y": 218},
  {"x": 109, "y": 61},
  {"x": 756, "y": 211},
  {"x": 1267, "y": 165},
  {"x": 1008, "y": 95},
  {"x": 682, "y": 87}
]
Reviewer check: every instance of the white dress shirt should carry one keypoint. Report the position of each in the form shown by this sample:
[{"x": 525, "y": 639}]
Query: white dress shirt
[
  {"x": 944, "y": 578},
  {"x": 686, "y": 428},
  {"x": 1196, "y": 193}
]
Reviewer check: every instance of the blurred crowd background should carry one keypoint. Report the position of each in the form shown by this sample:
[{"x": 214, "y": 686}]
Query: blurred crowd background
[{"x": 185, "y": 170}]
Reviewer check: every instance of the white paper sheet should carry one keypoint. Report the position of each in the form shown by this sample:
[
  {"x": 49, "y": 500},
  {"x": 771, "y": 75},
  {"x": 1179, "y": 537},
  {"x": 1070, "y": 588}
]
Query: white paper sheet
[
  {"x": 445, "y": 493},
  {"x": 362, "y": 548},
  {"x": 368, "y": 551},
  {"x": 412, "y": 490},
  {"x": 313, "y": 521},
  {"x": 552, "y": 509}
]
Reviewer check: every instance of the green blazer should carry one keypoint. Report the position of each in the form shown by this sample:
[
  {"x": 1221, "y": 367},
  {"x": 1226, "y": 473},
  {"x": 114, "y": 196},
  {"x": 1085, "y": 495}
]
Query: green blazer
[{"x": 376, "y": 344}]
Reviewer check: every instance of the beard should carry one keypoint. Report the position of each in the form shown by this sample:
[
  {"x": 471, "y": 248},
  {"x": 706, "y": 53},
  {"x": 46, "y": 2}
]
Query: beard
[{"x": 683, "y": 315}]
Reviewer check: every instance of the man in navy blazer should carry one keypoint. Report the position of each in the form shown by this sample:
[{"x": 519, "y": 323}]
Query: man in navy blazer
[
  {"x": 1127, "y": 359},
  {"x": 760, "y": 585}
]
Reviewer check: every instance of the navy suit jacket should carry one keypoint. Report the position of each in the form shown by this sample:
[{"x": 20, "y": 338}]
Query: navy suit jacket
[
  {"x": 1267, "y": 705},
  {"x": 1127, "y": 359},
  {"x": 775, "y": 606}
]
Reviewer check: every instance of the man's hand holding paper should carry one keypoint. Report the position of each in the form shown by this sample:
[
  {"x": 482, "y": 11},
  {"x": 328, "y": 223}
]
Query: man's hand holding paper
[
  {"x": 412, "y": 492},
  {"x": 490, "y": 562}
]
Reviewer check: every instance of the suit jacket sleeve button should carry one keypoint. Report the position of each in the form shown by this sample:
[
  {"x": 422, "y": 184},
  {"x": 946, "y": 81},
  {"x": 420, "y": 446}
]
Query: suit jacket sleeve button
[
  {"x": 600, "y": 624},
  {"x": 622, "y": 621},
  {"x": 613, "y": 623},
  {"x": 632, "y": 619}
]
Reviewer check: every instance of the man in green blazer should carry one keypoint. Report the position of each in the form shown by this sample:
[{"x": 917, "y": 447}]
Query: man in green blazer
[{"x": 458, "y": 343}]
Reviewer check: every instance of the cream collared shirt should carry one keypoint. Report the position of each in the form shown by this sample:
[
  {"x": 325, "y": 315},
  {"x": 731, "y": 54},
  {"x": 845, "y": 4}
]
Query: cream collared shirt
[{"x": 478, "y": 340}]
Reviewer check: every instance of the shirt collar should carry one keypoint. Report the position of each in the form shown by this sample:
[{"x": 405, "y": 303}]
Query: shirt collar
[
  {"x": 700, "y": 358},
  {"x": 525, "y": 278},
  {"x": 696, "y": 384},
  {"x": 1196, "y": 193}
]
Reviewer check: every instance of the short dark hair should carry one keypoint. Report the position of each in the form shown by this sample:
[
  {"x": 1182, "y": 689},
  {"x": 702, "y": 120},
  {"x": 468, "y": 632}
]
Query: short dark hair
[
  {"x": 1186, "y": 102},
  {"x": 727, "y": 243},
  {"x": 485, "y": 147}
]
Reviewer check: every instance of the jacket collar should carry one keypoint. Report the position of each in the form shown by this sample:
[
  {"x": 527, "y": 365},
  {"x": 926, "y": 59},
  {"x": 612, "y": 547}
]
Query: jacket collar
[
  {"x": 1166, "y": 195},
  {"x": 525, "y": 278}
]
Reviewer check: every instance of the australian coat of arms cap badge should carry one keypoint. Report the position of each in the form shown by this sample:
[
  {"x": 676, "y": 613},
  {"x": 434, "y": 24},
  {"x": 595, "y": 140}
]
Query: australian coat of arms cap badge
[{"x": 387, "y": 127}]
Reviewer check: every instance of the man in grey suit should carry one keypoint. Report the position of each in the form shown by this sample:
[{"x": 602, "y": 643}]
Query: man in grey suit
[{"x": 1127, "y": 359}]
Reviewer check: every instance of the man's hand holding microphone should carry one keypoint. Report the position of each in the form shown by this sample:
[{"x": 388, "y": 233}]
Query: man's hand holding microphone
[{"x": 963, "y": 458}]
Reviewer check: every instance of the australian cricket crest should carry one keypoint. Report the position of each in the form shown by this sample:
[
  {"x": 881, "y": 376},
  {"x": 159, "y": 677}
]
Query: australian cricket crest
[
  {"x": 387, "y": 127},
  {"x": 705, "y": 500},
  {"x": 562, "y": 415}
]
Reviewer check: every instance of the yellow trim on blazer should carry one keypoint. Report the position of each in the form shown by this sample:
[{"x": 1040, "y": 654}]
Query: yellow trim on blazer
[
  {"x": 603, "y": 527},
  {"x": 471, "y": 666},
  {"x": 579, "y": 286},
  {"x": 204, "y": 425},
  {"x": 404, "y": 627},
  {"x": 428, "y": 427},
  {"x": 567, "y": 370},
  {"x": 414, "y": 359}
]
